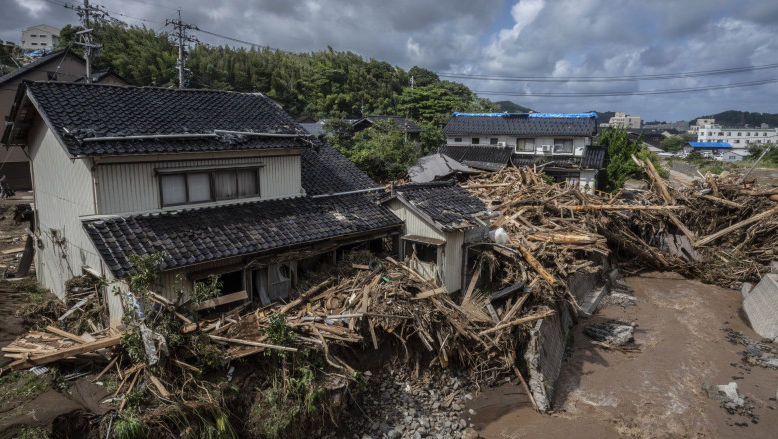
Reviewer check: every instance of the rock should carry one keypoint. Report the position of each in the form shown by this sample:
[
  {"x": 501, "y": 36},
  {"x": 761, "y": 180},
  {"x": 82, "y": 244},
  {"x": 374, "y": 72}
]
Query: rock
[
  {"x": 471, "y": 411},
  {"x": 729, "y": 391},
  {"x": 456, "y": 407},
  {"x": 468, "y": 396},
  {"x": 470, "y": 433},
  {"x": 462, "y": 423},
  {"x": 424, "y": 422},
  {"x": 393, "y": 434},
  {"x": 613, "y": 332}
]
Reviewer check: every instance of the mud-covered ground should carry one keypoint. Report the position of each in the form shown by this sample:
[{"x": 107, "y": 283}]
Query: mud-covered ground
[{"x": 655, "y": 392}]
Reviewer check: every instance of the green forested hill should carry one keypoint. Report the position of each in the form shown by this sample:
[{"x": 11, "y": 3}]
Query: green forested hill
[
  {"x": 321, "y": 84},
  {"x": 512, "y": 107},
  {"x": 734, "y": 118}
]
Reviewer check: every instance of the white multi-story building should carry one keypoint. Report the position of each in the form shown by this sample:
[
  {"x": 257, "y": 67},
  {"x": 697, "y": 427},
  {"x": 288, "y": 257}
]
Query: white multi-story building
[
  {"x": 693, "y": 129},
  {"x": 623, "y": 120},
  {"x": 40, "y": 37},
  {"x": 739, "y": 138}
]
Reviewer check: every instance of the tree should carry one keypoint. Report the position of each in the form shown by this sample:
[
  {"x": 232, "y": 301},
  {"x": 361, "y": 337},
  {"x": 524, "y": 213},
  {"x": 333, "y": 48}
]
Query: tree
[
  {"x": 676, "y": 143},
  {"x": 381, "y": 151},
  {"x": 755, "y": 150},
  {"x": 619, "y": 166},
  {"x": 422, "y": 76},
  {"x": 431, "y": 138}
]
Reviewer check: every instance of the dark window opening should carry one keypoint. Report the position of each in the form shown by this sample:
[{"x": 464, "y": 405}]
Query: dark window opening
[
  {"x": 457, "y": 139},
  {"x": 476, "y": 141},
  {"x": 493, "y": 141},
  {"x": 563, "y": 146},
  {"x": 424, "y": 252}
]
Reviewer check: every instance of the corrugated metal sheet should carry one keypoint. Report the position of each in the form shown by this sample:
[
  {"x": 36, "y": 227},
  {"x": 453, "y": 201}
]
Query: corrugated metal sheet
[
  {"x": 134, "y": 187},
  {"x": 62, "y": 194}
]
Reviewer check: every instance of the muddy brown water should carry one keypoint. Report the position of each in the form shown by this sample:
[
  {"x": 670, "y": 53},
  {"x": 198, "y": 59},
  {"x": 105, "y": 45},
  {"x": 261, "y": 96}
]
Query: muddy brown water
[{"x": 655, "y": 392}]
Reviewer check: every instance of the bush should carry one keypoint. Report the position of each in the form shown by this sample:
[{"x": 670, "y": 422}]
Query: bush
[{"x": 619, "y": 166}]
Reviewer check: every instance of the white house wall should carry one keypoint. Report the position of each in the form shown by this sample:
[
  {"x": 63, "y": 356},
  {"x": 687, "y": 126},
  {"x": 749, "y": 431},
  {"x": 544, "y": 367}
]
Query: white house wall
[
  {"x": 62, "y": 194},
  {"x": 579, "y": 142},
  {"x": 414, "y": 224},
  {"x": 134, "y": 187},
  {"x": 451, "y": 270}
]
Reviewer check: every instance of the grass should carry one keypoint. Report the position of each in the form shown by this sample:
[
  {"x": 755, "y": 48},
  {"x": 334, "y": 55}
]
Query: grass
[
  {"x": 129, "y": 427},
  {"x": 22, "y": 385},
  {"x": 28, "y": 432}
]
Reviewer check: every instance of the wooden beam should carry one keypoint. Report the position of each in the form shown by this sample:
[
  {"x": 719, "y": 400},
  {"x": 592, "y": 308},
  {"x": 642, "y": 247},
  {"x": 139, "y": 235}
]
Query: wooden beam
[
  {"x": 429, "y": 293},
  {"x": 758, "y": 217},
  {"x": 222, "y": 300},
  {"x": 65, "y": 334},
  {"x": 722, "y": 201},
  {"x": 106, "y": 342},
  {"x": 537, "y": 266},
  {"x": 517, "y": 322}
]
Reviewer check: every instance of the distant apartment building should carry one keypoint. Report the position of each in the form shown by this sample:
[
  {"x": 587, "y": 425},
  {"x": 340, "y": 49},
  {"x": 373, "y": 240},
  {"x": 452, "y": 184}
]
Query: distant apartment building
[
  {"x": 623, "y": 120},
  {"x": 739, "y": 138},
  {"x": 40, "y": 37},
  {"x": 694, "y": 128}
]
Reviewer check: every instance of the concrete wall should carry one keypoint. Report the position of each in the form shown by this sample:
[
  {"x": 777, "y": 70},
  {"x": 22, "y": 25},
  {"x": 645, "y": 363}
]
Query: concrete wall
[
  {"x": 40, "y": 37},
  {"x": 544, "y": 354},
  {"x": 63, "y": 192},
  {"x": 761, "y": 306},
  {"x": 134, "y": 187}
]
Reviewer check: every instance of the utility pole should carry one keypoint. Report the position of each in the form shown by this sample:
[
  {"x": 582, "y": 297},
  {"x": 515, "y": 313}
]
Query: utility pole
[
  {"x": 411, "y": 82},
  {"x": 85, "y": 12},
  {"x": 182, "y": 37}
]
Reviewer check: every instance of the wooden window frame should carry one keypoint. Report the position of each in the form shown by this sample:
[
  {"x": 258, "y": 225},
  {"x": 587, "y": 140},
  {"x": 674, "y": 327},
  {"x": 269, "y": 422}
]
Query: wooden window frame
[{"x": 211, "y": 171}]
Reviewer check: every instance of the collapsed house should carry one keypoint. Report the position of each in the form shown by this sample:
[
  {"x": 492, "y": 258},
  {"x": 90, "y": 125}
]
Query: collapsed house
[{"x": 560, "y": 144}]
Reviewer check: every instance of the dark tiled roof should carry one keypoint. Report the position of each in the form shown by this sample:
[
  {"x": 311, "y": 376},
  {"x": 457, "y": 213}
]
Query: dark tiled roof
[
  {"x": 38, "y": 63},
  {"x": 450, "y": 206},
  {"x": 404, "y": 124},
  {"x": 99, "y": 76},
  {"x": 593, "y": 157},
  {"x": 520, "y": 125},
  {"x": 490, "y": 158},
  {"x": 315, "y": 128},
  {"x": 326, "y": 171},
  {"x": 79, "y": 111},
  {"x": 194, "y": 236}
]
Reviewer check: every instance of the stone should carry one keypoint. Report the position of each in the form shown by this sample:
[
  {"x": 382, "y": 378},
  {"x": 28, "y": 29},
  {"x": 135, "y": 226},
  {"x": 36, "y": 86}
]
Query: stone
[
  {"x": 729, "y": 391},
  {"x": 462, "y": 423},
  {"x": 614, "y": 333},
  {"x": 393, "y": 434},
  {"x": 470, "y": 433},
  {"x": 471, "y": 411},
  {"x": 456, "y": 407}
]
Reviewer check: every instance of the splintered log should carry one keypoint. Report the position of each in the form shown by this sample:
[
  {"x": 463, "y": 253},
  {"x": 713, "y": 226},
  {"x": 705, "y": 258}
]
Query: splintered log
[
  {"x": 537, "y": 266},
  {"x": 758, "y": 217},
  {"x": 564, "y": 238},
  {"x": 722, "y": 201},
  {"x": 65, "y": 334},
  {"x": 429, "y": 293},
  {"x": 659, "y": 183},
  {"x": 305, "y": 296},
  {"x": 681, "y": 226},
  {"x": 519, "y": 321},
  {"x": 222, "y": 300}
]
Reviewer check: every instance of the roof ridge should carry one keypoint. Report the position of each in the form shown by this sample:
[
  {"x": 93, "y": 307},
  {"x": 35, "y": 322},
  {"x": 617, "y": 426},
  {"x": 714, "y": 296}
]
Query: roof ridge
[{"x": 141, "y": 87}]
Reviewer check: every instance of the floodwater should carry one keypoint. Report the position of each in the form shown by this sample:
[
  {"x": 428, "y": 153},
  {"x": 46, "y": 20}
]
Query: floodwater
[{"x": 655, "y": 392}]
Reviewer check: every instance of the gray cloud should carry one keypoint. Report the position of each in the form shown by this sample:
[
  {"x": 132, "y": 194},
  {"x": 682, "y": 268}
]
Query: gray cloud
[{"x": 538, "y": 38}]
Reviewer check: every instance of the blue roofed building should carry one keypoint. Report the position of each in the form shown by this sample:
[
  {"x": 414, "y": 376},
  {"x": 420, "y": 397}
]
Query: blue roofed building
[
  {"x": 560, "y": 144},
  {"x": 711, "y": 150}
]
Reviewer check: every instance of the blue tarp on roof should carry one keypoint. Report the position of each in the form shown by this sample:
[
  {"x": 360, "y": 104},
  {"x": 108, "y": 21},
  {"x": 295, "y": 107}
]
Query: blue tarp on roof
[
  {"x": 537, "y": 115},
  {"x": 710, "y": 145}
]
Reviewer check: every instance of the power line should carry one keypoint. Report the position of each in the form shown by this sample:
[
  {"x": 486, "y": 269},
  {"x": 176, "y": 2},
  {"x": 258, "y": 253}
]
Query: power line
[
  {"x": 609, "y": 78},
  {"x": 183, "y": 38},
  {"x": 629, "y": 93}
]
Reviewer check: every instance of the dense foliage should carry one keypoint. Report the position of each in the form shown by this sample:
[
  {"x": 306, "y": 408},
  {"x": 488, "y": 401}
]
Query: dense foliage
[
  {"x": 676, "y": 143},
  {"x": 619, "y": 166},
  {"x": 382, "y": 151},
  {"x": 769, "y": 159}
]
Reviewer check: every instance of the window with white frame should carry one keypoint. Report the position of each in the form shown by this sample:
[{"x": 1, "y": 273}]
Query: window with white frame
[
  {"x": 204, "y": 185},
  {"x": 563, "y": 146},
  {"x": 525, "y": 145}
]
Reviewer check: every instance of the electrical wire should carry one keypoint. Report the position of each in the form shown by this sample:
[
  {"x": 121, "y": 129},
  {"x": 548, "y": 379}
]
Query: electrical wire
[
  {"x": 630, "y": 93},
  {"x": 609, "y": 78}
]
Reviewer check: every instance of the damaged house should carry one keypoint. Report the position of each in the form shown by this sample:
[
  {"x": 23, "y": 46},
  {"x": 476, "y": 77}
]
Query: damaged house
[
  {"x": 441, "y": 219},
  {"x": 558, "y": 143},
  {"x": 218, "y": 183}
]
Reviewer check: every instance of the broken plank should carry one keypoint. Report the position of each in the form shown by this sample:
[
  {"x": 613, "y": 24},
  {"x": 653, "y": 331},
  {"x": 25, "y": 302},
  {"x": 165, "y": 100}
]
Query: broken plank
[
  {"x": 75, "y": 350},
  {"x": 564, "y": 237},
  {"x": 222, "y": 300},
  {"x": 517, "y": 322},
  {"x": 722, "y": 201},
  {"x": 65, "y": 334},
  {"x": 252, "y": 343},
  {"x": 429, "y": 293},
  {"x": 11, "y": 251}
]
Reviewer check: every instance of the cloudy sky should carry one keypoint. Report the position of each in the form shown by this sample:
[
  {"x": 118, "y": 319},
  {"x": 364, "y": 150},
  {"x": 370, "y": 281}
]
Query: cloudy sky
[{"x": 526, "y": 38}]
